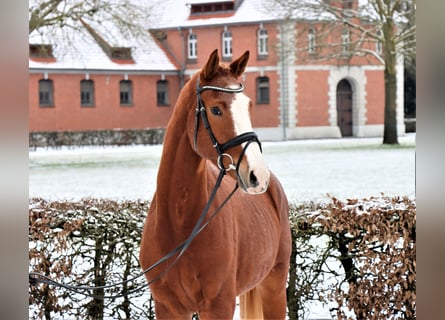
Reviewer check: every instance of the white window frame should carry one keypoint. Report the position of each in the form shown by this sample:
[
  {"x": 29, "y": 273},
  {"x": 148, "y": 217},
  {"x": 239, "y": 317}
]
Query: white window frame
[
  {"x": 311, "y": 41},
  {"x": 262, "y": 42},
  {"x": 226, "y": 44},
  {"x": 345, "y": 42},
  {"x": 192, "y": 44},
  {"x": 378, "y": 44}
]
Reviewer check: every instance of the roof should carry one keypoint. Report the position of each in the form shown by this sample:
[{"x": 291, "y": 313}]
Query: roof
[
  {"x": 78, "y": 50},
  {"x": 206, "y": 1},
  {"x": 249, "y": 11}
]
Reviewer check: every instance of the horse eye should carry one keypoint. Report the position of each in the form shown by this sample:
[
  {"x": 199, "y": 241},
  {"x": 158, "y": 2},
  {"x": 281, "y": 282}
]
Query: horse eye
[{"x": 215, "y": 111}]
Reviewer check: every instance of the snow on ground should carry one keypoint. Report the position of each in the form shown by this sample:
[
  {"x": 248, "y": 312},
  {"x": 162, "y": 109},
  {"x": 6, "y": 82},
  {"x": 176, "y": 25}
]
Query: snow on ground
[{"x": 308, "y": 170}]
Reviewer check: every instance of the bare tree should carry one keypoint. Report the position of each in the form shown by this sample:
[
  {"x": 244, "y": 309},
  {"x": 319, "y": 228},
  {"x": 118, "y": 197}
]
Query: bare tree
[
  {"x": 128, "y": 17},
  {"x": 389, "y": 24}
]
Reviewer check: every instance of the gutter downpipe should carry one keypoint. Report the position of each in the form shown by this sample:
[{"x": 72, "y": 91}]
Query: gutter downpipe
[
  {"x": 284, "y": 82},
  {"x": 183, "y": 64}
]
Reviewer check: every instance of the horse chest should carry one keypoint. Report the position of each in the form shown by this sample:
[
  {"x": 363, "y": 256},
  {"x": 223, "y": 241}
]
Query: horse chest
[{"x": 195, "y": 278}]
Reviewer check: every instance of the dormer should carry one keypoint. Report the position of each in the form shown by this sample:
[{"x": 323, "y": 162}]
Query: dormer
[
  {"x": 41, "y": 52},
  {"x": 123, "y": 53},
  {"x": 116, "y": 54},
  {"x": 343, "y": 4},
  {"x": 212, "y": 7}
]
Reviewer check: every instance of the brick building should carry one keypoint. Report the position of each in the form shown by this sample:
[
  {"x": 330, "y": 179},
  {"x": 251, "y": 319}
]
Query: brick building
[{"x": 295, "y": 95}]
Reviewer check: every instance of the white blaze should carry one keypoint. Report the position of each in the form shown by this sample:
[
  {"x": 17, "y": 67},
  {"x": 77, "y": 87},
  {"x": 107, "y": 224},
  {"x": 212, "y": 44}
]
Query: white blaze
[{"x": 242, "y": 124}]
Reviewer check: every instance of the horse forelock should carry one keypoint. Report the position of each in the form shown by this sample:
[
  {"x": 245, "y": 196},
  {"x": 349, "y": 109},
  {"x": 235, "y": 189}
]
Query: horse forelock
[{"x": 222, "y": 77}]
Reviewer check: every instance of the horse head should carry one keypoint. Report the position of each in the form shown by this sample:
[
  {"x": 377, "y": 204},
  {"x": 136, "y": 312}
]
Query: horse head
[{"x": 221, "y": 130}]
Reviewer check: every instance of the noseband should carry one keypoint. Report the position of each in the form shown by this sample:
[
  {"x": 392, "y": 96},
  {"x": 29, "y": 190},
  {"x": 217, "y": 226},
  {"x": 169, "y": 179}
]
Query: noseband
[{"x": 248, "y": 137}]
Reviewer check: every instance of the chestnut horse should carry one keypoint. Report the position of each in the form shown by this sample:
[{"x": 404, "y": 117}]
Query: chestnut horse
[{"x": 244, "y": 250}]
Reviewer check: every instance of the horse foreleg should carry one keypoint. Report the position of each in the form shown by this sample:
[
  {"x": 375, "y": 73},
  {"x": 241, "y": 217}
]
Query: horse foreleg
[
  {"x": 222, "y": 308},
  {"x": 165, "y": 312},
  {"x": 273, "y": 293},
  {"x": 274, "y": 305}
]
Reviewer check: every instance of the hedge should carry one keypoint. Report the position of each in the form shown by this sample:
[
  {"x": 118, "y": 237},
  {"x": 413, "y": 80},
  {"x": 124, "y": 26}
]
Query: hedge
[
  {"x": 115, "y": 137},
  {"x": 366, "y": 265},
  {"x": 356, "y": 256}
]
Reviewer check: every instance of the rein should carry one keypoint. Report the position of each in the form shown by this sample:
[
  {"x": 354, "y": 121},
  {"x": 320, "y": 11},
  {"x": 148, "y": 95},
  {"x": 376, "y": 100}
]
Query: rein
[
  {"x": 35, "y": 277},
  {"x": 247, "y": 137}
]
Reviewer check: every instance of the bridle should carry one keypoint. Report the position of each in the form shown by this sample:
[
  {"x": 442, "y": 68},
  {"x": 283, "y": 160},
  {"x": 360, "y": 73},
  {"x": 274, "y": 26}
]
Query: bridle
[{"x": 248, "y": 137}]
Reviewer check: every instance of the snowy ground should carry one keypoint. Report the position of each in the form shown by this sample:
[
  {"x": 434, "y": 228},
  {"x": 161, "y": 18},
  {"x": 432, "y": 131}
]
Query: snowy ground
[{"x": 308, "y": 170}]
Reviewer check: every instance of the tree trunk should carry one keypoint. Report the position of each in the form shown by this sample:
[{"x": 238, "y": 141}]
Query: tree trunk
[
  {"x": 96, "y": 306},
  {"x": 47, "y": 303},
  {"x": 390, "y": 54},
  {"x": 127, "y": 272},
  {"x": 347, "y": 262},
  {"x": 390, "y": 129}
]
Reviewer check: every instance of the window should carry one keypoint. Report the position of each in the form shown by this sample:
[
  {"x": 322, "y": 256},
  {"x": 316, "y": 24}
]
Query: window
[
  {"x": 346, "y": 4},
  {"x": 378, "y": 44},
  {"x": 126, "y": 92},
  {"x": 345, "y": 42},
  {"x": 262, "y": 42},
  {"x": 192, "y": 46},
  {"x": 227, "y": 45},
  {"x": 41, "y": 51},
  {"x": 262, "y": 90},
  {"x": 86, "y": 93},
  {"x": 46, "y": 92},
  {"x": 311, "y": 37},
  {"x": 162, "y": 92},
  {"x": 206, "y": 8}
]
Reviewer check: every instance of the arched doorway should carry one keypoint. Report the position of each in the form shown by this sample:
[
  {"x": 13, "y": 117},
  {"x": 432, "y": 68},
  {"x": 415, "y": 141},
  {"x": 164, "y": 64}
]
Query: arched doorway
[{"x": 344, "y": 108}]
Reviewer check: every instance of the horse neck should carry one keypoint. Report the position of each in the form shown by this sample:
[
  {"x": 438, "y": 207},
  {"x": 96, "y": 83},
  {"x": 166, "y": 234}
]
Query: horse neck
[{"x": 182, "y": 179}]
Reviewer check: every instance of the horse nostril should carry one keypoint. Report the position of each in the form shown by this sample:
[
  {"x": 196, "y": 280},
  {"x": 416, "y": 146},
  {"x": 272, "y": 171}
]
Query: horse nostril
[{"x": 253, "y": 179}]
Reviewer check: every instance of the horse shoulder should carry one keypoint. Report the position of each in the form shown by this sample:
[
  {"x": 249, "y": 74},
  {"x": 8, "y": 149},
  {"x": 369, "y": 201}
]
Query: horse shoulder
[
  {"x": 281, "y": 204},
  {"x": 278, "y": 197},
  {"x": 150, "y": 235}
]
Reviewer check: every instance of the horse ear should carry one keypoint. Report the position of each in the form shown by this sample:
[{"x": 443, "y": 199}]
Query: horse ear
[
  {"x": 209, "y": 70},
  {"x": 237, "y": 67}
]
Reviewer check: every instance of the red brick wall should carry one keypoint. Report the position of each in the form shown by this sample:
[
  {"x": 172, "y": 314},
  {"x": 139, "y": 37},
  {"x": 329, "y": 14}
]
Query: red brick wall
[
  {"x": 375, "y": 97},
  {"x": 264, "y": 115},
  {"x": 312, "y": 98},
  {"x": 328, "y": 42},
  {"x": 311, "y": 86},
  {"x": 67, "y": 113},
  {"x": 244, "y": 37}
]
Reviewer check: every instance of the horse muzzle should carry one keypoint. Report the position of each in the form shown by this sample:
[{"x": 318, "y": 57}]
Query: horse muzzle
[
  {"x": 255, "y": 176},
  {"x": 254, "y": 182}
]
